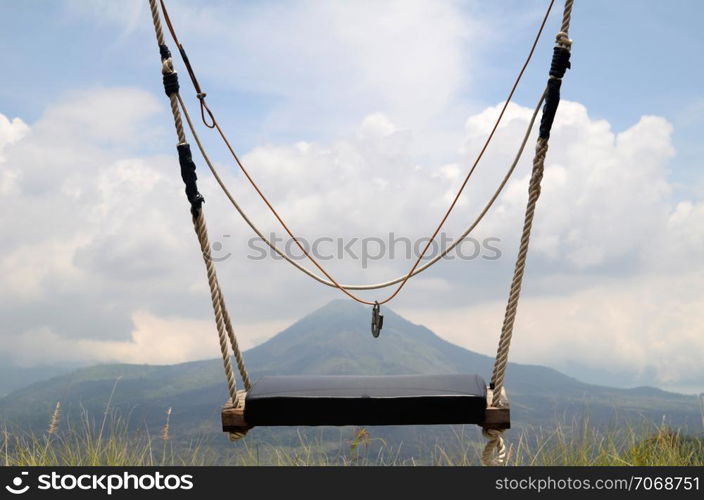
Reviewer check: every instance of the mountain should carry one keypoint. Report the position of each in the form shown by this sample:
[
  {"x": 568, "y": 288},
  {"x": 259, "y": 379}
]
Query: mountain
[
  {"x": 335, "y": 339},
  {"x": 14, "y": 377}
]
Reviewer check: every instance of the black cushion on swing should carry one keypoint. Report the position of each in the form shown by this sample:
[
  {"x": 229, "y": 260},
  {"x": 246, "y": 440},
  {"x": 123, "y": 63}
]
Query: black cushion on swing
[{"x": 366, "y": 400}]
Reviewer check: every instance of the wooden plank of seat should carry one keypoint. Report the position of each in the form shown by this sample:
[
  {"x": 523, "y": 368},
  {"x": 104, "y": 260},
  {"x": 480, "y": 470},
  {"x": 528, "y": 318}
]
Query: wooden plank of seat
[
  {"x": 233, "y": 416},
  {"x": 496, "y": 417},
  {"x": 364, "y": 400}
]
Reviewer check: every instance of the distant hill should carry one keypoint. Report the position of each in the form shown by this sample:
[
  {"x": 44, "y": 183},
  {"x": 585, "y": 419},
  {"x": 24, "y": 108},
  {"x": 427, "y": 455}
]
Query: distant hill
[
  {"x": 334, "y": 339},
  {"x": 14, "y": 377}
]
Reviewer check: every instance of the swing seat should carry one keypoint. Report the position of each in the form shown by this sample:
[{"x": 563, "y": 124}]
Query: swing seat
[{"x": 365, "y": 401}]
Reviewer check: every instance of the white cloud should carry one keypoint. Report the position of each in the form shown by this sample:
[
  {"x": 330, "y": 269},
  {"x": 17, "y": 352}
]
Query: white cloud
[
  {"x": 147, "y": 344},
  {"x": 154, "y": 340},
  {"x": 11, "y": 131},
  {"x": 327, "y": 60},
  {"x": 680, "y": 246},
  {"x": 103, "y": 265},
  {"x": 603, "y": 193},
  {"x": 642, "y": 325},
  {"x": 114, "y": 117},
  {"x": 386, "y": 54},
  {"x": 129, "y": 14}
]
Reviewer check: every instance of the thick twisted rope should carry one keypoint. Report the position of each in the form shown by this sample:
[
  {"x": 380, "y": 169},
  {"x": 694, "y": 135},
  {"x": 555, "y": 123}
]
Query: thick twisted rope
[
  {"x": 495, "y": 449},
  {"x": 566, "y": 16},
  {"x": 156, "y": 20},
  {"x": 497, "y": 378},
  {"x": 216, "y": 298},
  {"x": 235, "y": 345},
  {"x": 222, "y": 318}
]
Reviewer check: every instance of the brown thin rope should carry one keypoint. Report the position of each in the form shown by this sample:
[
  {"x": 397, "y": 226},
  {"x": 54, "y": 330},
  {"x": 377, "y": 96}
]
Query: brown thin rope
[
  {"x": 199, "y": 93},
  {"x": 371, "y": 286},
  {"x": 216, "y": 125}
]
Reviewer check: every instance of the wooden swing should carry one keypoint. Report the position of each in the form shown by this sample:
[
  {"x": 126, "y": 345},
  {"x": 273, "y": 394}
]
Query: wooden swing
[{"x": 364, "y": 400}]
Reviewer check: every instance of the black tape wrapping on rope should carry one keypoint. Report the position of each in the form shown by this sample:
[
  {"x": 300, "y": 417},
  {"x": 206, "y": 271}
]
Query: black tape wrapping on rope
[
  {"x": 171, "y": 83},
  {"x": 188, "y": 174},
  {"x": 164, "y": 52},
  {"x": 560, "y": 64}
]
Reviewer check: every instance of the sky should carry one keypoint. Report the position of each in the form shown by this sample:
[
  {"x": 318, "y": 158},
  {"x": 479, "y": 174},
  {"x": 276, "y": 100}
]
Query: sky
[{"x": 358, "y": 119}]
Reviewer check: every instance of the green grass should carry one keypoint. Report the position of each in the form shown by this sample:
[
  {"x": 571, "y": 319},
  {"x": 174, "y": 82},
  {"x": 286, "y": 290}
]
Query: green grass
[
  {"x": 643, "y": 444},
  {"x": 109, "y": 441}
]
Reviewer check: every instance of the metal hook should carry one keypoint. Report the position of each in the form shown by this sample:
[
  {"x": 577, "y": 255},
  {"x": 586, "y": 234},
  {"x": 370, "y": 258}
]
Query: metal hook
[{"x": 377, "y": 320}]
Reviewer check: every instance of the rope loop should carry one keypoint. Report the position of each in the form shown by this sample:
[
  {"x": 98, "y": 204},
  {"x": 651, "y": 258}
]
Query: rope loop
[{"x": 203, "y": 109}]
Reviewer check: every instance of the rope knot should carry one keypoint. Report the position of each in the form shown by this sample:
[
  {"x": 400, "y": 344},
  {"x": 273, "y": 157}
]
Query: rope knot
[
  {"x": 201, "y": 95},
  {"x": 170, "y": 77},
  {"x": 167, "y": 66},
  {"x": 563, "y": 40}
]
